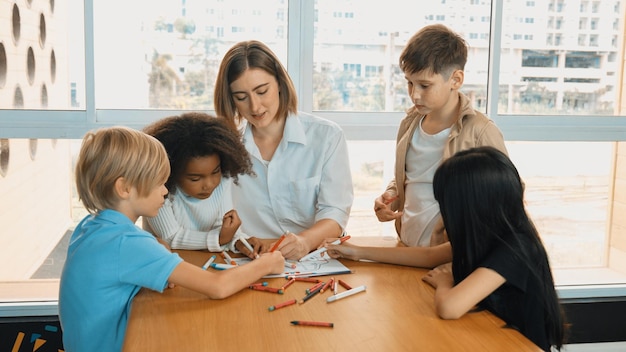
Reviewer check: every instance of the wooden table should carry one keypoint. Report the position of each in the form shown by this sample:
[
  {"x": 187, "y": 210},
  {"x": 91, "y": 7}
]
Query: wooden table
[{"x": 396, "y": 313}]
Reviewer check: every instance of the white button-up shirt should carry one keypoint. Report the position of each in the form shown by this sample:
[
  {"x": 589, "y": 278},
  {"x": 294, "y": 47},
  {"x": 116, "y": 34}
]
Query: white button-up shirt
[{"x": 307, "y": 180}]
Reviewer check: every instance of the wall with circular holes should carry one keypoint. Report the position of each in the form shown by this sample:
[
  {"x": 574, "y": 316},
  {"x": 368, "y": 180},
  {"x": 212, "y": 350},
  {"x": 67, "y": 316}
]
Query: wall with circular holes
[{"x": 35, "y": 175}]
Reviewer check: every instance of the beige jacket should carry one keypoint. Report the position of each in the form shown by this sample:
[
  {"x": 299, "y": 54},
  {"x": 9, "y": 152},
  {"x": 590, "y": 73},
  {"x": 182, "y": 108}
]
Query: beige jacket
[{"x": 471, "y": 129}]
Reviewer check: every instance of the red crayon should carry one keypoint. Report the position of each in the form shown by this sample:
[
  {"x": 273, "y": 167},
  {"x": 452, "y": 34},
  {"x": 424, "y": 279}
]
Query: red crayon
[
  {"x": 281, "y": 305},
  {"x": 291, "y": 281},
  {"x": 312, "y": 323},
  {"x": 327, "y": 285},
  {"x": 264, "y": 283},
  {"x": 315, "y": 287},
  {"x": 345, "y": 285},
  {"x": 266, "y": 289},
  {"x": 306, "y": 279}
]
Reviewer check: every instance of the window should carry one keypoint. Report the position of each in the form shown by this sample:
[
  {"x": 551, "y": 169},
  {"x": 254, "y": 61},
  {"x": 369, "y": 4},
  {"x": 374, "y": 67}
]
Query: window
[{"x": 560, "y": 109}]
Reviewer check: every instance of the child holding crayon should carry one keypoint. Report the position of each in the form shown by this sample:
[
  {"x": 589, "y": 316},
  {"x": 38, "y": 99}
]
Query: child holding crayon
[
  {"x": 120, "y": 176},
  {"x": 206, "y": 156},
  {"x": 441, "y": 122}
]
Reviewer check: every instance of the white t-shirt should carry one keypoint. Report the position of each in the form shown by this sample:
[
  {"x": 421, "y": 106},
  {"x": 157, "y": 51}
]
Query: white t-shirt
[{"x": 423, "y": 156}]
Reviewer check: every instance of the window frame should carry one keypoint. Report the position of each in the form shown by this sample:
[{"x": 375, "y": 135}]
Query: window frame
[{"x": 73, "y": 124}]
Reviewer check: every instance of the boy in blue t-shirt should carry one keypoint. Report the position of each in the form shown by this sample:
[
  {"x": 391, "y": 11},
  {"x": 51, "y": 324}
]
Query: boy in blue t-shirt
[{"x": 120, "y": 176}]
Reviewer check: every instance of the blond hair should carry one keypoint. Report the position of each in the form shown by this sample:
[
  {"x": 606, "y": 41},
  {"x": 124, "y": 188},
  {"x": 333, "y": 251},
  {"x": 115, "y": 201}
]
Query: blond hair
[{"x": 107, "y": 154}]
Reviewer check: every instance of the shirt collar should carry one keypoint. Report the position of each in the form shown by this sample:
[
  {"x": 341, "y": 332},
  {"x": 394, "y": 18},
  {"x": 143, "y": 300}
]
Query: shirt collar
[
  {"x": 113, "y": 216},
  {"x": 292, "y": 133}
]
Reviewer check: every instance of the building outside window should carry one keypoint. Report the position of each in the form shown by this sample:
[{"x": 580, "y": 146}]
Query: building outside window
[{"x": 557, "y": 100}]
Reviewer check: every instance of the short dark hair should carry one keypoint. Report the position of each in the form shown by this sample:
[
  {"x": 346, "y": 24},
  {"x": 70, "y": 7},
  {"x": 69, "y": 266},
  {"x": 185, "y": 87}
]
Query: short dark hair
[
  {"x": 435, "y": 48},
  {"x": 241, "y": 57},
  {"x": 197, "y": 134}
]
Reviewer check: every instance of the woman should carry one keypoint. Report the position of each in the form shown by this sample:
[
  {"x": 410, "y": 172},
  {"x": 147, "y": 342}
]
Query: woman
[{"x": 303, "y": 185}]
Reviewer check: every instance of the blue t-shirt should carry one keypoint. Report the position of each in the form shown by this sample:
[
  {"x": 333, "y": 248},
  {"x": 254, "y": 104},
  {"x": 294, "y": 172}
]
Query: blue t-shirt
[{"x": 109, "y": 259}]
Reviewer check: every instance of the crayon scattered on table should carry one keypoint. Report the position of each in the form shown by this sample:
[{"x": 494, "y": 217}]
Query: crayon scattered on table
[
  {"x": 310, "y": 295},
  {"x": 315, "y": 287},
  {"x": 312, "y": 323},
  {"x": 345, "y": 285},
  {"x": 288, "y": 283},
  {"x": 281, "y": 305},
  {"x": 345, "y": 294},
  {"x": 327, "y": 285},
  {"x": 266, "y": 289}
]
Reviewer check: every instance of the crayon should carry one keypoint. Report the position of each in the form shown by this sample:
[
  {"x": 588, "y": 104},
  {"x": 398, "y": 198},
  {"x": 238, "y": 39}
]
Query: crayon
[
  {"x": 281, "y": 305},
  {"x": 220, "y": 266},
  {"x": 311, "y": 294},
  {"x": 264, "y": 283},
  {"x": 305, "y": 279},
  {"x": 275, "y": 246},
  {"x": 315, "y": 287},
  {"x": 345, "y": 285},
  {"x": 345, "y": 294},
  {"x": 208, "y": 262},
  {"x": 266, "y": 289},
  {"x": 289, "y": 283},
  {"x": 327, "y": 285},
  {"x": 248, "y": 246},
  {"x": 313, "y": 323},
  {"x": 228, "y": 259}
]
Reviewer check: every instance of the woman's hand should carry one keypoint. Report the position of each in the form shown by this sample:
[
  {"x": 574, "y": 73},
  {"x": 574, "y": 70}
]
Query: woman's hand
[{"x": 293, "y": 247}]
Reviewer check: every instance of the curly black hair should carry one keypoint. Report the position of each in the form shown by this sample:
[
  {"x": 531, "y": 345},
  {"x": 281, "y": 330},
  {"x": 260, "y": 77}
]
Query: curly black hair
[{"x": 197, "y": 134}]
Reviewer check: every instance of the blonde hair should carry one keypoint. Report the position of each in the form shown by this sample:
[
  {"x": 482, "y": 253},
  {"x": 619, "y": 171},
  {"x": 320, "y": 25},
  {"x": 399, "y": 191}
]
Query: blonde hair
[{"x": 107, "y": 154}]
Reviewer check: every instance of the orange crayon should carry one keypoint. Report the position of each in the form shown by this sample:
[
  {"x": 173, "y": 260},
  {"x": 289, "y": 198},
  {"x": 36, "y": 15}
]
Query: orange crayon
[{"x": 275, "y": 246}]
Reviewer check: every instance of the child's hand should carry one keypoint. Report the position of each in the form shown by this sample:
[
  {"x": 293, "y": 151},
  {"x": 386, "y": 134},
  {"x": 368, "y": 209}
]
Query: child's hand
[
  {"x": 230, "y": 224},
  {"x": 276, "y": 260},
  {"x": 345, "y": 250},
  {"x": 382, "y": 208},
  {"x": 440, "y": 277},
  {"x": 256, "y": 245}
]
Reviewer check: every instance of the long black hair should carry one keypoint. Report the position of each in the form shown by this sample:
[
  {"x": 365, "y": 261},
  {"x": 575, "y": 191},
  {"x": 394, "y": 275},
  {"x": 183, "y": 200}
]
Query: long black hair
[{"x": 480, "y": 197}]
